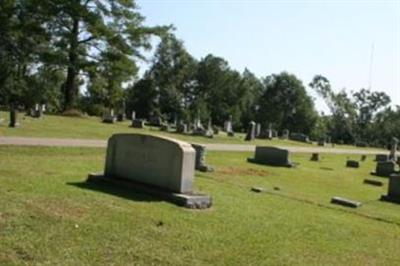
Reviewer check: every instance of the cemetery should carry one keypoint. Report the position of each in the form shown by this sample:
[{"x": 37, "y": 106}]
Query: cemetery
[
  {"x": 46, "y": 202},
  {"x": 138, "y": 132}
]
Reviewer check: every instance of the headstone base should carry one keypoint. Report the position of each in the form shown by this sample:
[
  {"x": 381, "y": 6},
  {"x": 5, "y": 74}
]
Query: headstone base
[
  {"x": 192, "y": 201},
  {"x": 390, "y": 199}
]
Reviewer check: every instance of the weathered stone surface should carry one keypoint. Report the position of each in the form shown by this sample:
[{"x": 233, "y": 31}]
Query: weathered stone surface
[
  {"x": 138, "y": 123},
  {"x": 352, "y": 164},
  {"x": 152, "y": 160},
  {"x": 346, "y": 202},
  {"x": 201, "y": 158},
  {"x": 385, "y": 169},
  {"x": 393, "y": 189},
  {"x": 153, "y": 163},
  {"x": 271, "y": 156},
  {"x": 381, "y": 157}
]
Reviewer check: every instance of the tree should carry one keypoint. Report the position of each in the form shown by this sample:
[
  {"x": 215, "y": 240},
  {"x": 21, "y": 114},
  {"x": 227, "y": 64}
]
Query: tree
[
  {"x": 84, "y": 30},
  {"x": 343, "y": 110},
  {"x": 253, "y": 89},
  {"x": 368, "y": 104},
  {"x": 22, "y": 41},
  {"x": 286, "y": 105},
  {"x": 218, "y": 92},
  {"x": 172, "y": 72}
]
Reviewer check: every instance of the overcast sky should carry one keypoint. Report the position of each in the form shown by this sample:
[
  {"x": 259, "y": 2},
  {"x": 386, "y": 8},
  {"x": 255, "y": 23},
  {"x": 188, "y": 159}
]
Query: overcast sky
[{"x": 332, "y": 38}]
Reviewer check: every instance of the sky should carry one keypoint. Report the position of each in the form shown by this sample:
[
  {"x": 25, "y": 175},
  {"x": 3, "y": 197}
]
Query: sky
[{"x": 355, "y": 44}]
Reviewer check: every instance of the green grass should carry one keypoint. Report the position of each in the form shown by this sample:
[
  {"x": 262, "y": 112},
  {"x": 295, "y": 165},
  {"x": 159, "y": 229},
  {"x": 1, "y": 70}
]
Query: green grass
[
  {"x": 52, "y": 126},
  {"x": 49, "y": 216}
]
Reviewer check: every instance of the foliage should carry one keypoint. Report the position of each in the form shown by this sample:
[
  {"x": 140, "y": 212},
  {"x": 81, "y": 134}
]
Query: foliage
[{"x": 286, "y": 105}]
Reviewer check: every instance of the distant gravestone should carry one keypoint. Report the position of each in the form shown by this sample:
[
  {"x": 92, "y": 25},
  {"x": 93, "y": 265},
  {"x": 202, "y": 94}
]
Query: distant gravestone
[
  {"x": 258, "y": 130},
  {"x": 201, "y": 158},
  {"x": 120, "y": 117},
  {"x": 182, "y": 128},
  {"x": 314, "y": 157},
  {"x": 352, "y": 164},
  {"x": 251, "y": 131},
  {"x": 346, "y": 202},
  {"x": 285, "y": 134},
  {"x": 133, "y": 116},
  {"x": 299, "y": 137},
  {"x": 363, "y": 157},
  {"x": 321, "y": 142},
  {"x": 108, "y": 116},
  {"x": 138, "y": 123},
  {"x": 271, "y": 156},
  {"x": 393, "y": 194},
  {"x": 385, "y": 169},
  {"x": 228, "y": 127},
  {"x": 13, "y": 117},
  {"x": 393, "y": 149},
  {"x": 161, "y": 166}
]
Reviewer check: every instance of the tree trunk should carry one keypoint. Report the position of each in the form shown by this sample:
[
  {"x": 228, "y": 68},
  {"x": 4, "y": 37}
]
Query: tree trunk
[
  {"x": 13, "y": 116},
  {"x": 71, "y": 90}
]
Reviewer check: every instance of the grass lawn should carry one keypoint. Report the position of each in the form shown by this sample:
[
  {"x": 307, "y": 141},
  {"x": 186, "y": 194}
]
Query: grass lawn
[
  {"x": 52, "y": 126},
  {"x": 49, "y": 216}
]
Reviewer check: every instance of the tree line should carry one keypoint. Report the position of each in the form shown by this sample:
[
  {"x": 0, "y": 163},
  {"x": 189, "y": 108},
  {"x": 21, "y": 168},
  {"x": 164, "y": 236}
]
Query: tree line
[{"x": 81, "y": 56}]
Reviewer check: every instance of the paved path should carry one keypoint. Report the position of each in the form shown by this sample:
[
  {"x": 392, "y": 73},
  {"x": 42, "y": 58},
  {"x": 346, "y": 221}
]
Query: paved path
[{"x": 23, "y": 141}]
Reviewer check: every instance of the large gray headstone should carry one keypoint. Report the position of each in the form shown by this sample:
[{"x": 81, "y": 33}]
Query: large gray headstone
[
  {"x": 271, "y": 156},
  {"x": 158, "y": 161}
]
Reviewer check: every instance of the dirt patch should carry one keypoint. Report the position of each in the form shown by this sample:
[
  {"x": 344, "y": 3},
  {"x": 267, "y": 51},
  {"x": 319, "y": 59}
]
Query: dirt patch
[{"x": 240, "y": 171}]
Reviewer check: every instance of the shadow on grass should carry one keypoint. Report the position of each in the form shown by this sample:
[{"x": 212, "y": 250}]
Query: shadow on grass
[{"x": 116, "y": 190}]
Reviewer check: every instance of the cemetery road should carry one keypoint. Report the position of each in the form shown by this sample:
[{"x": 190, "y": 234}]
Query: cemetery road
[{"x": 24, "y": 141}]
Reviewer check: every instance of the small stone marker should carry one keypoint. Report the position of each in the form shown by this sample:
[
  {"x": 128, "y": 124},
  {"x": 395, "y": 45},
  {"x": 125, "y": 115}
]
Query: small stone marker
[
  {"x": 201, "y": 158},
  {"x": 352, "y": 164},
  {"x": 251, "y": 131},
  {"x": 393, "y": 189},
  {"x": 373, "y": 182},
  {"x": 314, "y": 157},
  {"x": 346, "y": 202},
  {"x": 257, "y": 189},
  {"x": 161, "y": 166},
  {"x": 384, "y": 169},
  {"x": 271, "y": 156}
]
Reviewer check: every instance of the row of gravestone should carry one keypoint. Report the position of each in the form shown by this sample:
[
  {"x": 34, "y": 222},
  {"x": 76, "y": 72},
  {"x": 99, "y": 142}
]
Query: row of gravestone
[
  {"x": 165, "y": 167},
  {"x": 254, "y": 130}
]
